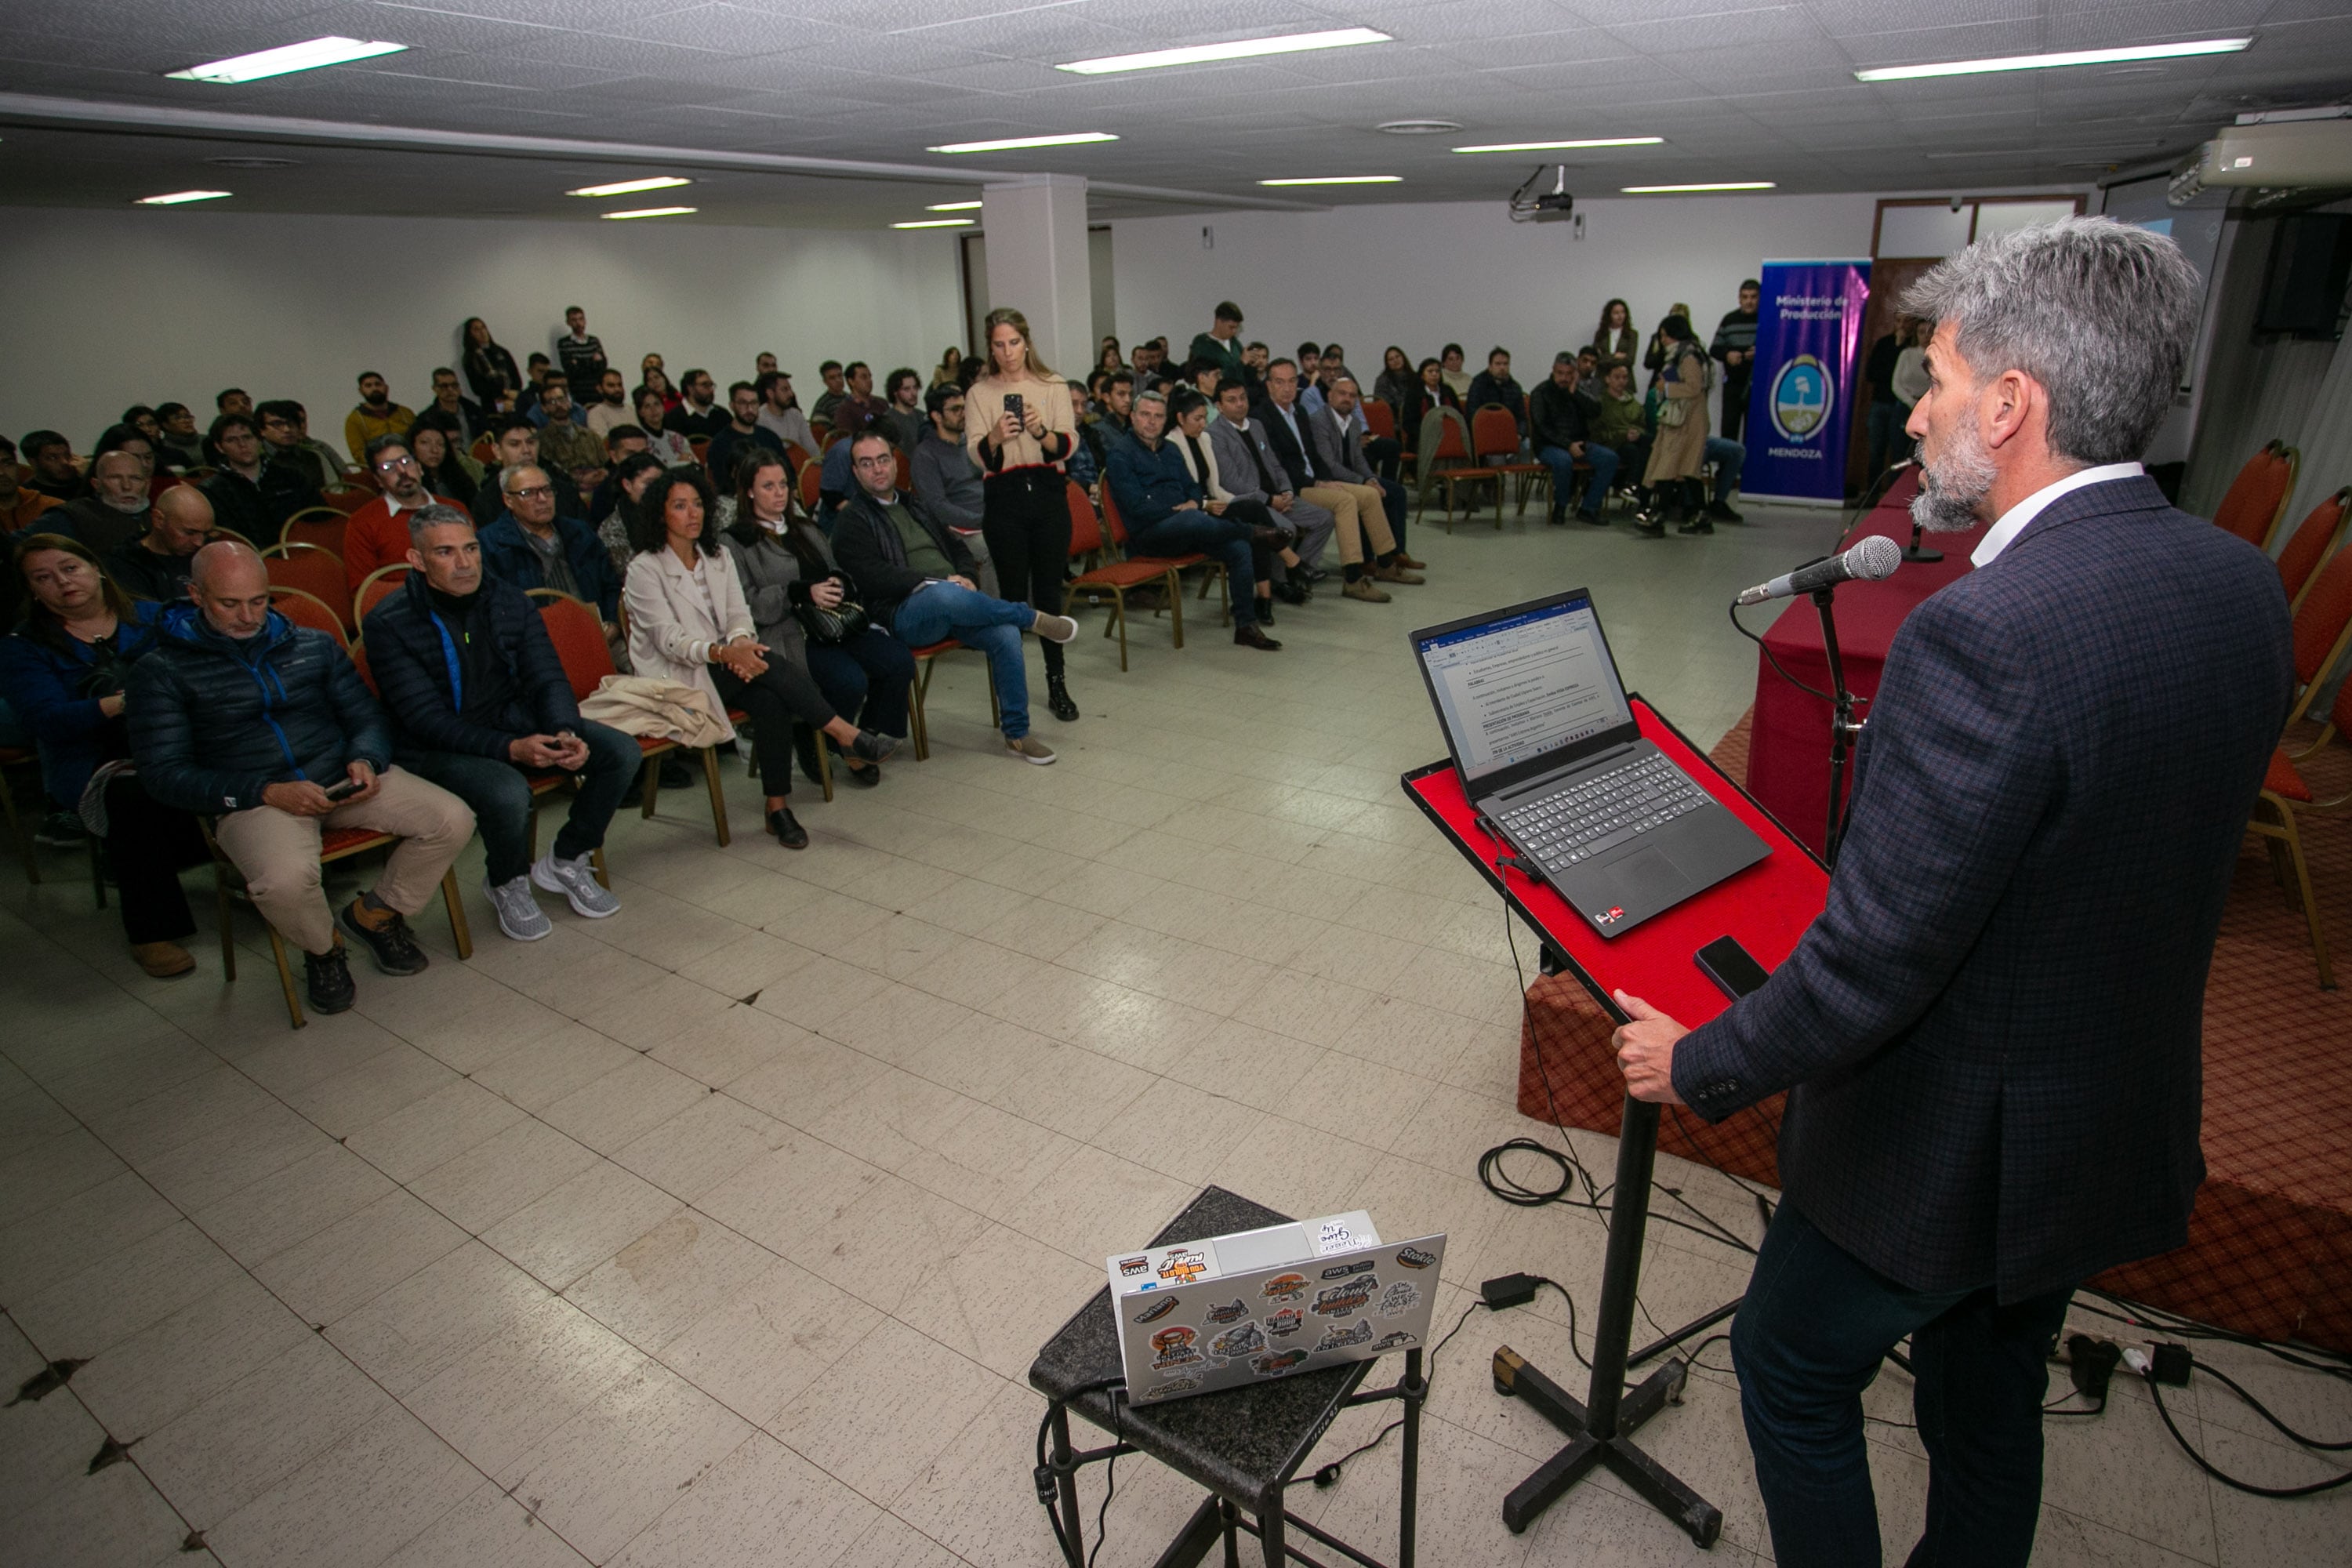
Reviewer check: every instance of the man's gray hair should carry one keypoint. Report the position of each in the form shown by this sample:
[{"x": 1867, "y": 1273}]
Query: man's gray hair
[
  {"x": 429, "y": 517},
  {"x": 1154, "y": 396},
  {"x": 2102, "y": 314}
]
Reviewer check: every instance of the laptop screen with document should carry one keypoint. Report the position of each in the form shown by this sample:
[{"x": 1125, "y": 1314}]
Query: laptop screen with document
[{"x": 1518, "y": 687}]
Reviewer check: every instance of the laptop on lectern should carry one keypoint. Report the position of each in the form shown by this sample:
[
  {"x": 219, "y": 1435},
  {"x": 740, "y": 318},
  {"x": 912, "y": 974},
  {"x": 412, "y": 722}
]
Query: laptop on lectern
[{"x": 1552, "y": 760}]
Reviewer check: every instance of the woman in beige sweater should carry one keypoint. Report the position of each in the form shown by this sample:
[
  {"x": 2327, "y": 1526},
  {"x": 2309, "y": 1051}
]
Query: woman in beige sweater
[{"x": 1020, "y": 427}]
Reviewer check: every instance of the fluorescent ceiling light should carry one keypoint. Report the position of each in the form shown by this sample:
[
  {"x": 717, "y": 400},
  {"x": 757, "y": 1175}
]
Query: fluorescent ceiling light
[
  {"x": 307, "y": 57},
  {"x": 952, "y": 207},
  {"x": 625, "y": 187},
  {"x": 1550, "y": 146},
  {"x": 176, "y": 197},
  {"x": 1007, "y": 143},
  {"x": 1339, "y": 180},
  {"x": 650, "y": 212},
  {"x": 935, "y": 222},
  {"x": 1238, "y": 49},
  {"x": 2051, "y": 62},
  {"x": 1709, "y": 186}
]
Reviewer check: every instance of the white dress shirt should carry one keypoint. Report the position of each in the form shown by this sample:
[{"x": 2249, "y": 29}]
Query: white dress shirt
[{"x": 2013, "y": 521}]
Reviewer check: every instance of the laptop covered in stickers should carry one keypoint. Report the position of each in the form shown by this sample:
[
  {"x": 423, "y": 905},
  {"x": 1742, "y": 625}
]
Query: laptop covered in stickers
[{"x": 1195, "y": 1317}]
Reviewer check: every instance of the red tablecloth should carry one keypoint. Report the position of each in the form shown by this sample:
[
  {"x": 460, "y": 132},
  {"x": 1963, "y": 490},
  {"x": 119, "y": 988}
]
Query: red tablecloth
[{"x": 1788, "y": 757}]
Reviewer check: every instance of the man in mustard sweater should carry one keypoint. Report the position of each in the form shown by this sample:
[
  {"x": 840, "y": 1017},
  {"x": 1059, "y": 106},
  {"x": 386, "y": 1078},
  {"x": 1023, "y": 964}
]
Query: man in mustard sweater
[{"x": 377, "y": 414}]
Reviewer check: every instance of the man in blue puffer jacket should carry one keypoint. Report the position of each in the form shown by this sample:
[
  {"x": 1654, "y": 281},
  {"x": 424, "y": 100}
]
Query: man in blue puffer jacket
[{"x": 241, "y": 715}]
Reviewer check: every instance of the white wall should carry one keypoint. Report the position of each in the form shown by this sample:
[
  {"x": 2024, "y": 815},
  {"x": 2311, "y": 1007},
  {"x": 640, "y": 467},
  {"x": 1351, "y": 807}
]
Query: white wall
[
  {"x": 108, "y": 309},
  {"x": 1420, "y": 277}
]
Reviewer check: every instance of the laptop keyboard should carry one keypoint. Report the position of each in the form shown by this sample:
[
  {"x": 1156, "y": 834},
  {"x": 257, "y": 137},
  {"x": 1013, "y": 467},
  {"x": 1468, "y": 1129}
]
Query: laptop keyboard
[{"x": 1603, "y": 812}]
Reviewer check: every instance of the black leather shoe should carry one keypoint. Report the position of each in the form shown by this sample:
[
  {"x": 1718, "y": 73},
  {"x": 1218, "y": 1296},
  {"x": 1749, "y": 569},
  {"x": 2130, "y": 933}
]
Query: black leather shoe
[
  {"x": 1291, "y": 592},
  {"x": 1057, "y": 699},
  {"x": 1721, "y": 510},
  {"x": 866, "y": 777},
  {"x": 1698, "y": 525},
  {"x": 1249, "y": 637},
  {"x": 1265, "y": 611},
  {"x": 1269, "y": 537},
  {"x": 873, "y": 748},
  {"x": 787, "y": 829},
  {"x": 329, "y": 978},
  {"x": 392, "y": 944},
  {"x": 1592, "y": 519}
]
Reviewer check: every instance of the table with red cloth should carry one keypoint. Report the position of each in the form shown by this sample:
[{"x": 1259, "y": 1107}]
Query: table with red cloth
[{"x": 1789, "y": 754}]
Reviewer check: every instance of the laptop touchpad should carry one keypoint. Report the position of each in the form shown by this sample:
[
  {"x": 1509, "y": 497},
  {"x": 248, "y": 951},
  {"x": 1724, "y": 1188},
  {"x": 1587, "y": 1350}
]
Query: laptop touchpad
[{"x": 1650, "y": 877}]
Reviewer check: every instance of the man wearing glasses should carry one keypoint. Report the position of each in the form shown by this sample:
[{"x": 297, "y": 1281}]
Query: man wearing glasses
[
  {"x": 377, "y": 534},
  {"x": 531, "y": 547}
]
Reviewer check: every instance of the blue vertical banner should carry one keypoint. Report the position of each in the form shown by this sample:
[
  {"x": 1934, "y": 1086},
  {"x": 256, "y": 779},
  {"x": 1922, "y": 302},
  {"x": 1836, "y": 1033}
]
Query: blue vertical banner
[{"x": 1808, "y": 348}]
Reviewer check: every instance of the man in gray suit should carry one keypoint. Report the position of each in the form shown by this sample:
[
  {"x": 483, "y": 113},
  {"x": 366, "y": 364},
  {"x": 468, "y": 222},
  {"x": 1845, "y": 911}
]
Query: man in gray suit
[
  {"x": 1337, "y": 431},
  {"x": 1249, "y": 471}
]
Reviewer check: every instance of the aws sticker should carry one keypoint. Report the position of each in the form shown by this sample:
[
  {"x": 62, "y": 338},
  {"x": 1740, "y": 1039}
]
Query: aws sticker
[
  {"x": 1158, "y": 1310},
  {"x": 1245, "y": 1340},
  {"x": 1343, "y": 1301},
  {"x": 1344, "y": 1269},
  {"x": 1231, "y": 1312},
  {"x": 1609, "y": 916},
  {"x": 1285, "y": 1288},
  {"x": 1277, "y": 1363},
  {"x": 1335, "y": 1337},
  {"x": 1414, "y": 1257},
  {"x": 1398, "y": 1298},
  {"x": 1289, "y": 1320}
]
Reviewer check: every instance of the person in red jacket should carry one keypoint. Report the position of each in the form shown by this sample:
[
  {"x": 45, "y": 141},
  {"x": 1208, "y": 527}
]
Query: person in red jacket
[{"x": 377, "y": 535}]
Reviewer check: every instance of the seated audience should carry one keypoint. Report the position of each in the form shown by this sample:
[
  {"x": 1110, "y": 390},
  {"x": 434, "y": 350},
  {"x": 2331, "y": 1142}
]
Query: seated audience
[
  {"x": 698, "y": 412},
  {"x": 115, "y": 511},
  {"x": 630, "y": 477},
  {"x": 788, "y": 573},
  {"x": 779, "y": 413},
  {"x": 131, "y": 440},
  {"x": 156, "y": 565},
  {"x": 141, "y": 418},
  {"x": 55, "y": 474},
  {"x": 240, "y": 715},
  {"x": 1168, "y": 513},
  {"x": 534, "y": 376},
  {"x": 1562, "y": 438},
  {"x": 916, "y": 579},
  {"x": 1118, "y": 405},
  {"x": 516, "y": 441},
  {"x": 377, "y": 414},
  {"x": 1254, "y": 359},
  {"x": 1250, "y": 471},
  {"x": 1495, "y": 385},
  {"x": 610, "y": 406},
  {"x": 1217, "y": 344},
  {"x": 949, "y": 363},
  {"x": 1189, "y": 436},
  {"x": 478, "y": 701},
  {"x": 1433, "y": 395},
  {"x": 1587, "y": 377},
  {"x": 1458, "y": 379},
  {"x": 1344, "y": 455},
  {"x": 858, "y": 406},
  {"x": 280, "y": 421},
  {"x": 376, "y": 535},
  {"x": 1395, "y": 384},
  {"x": 653, "y": 414},
  {"x": 947, "y": 482},
  {"x": 902, "y": 405},
  {"x": 490, "y": 368},
  {"x": 333, "y": 464},
  {"x": 1360, "y": 512},
  {"x": 543, "y": 375},
  {"x": 252, "y": 497},
  {"x": 448, "y": 468},
  {"x": 653, "y": 372},
  {"x": 571, "y": 448},
  {"x": 64, "y": 673},
  {"x": 233, "y": 400},
  {"x": 454, "y": 405},
  {"x": 20, "y": 503},
  {"x": 763, "y": 365},
  {"x": 1621, "y": 422},
  {"x": 688, "y": 622},
  {"x": 836, "y": 388},
  {"x": 181, "y": 440},
  {"x": 621, "y": 443},
  {"x": 532, "y": 546},
  {"x": 747, "y": 429}
]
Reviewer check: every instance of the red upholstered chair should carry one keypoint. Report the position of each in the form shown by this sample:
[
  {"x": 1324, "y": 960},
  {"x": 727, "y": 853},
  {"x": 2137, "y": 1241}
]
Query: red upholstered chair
[
  {"x": 305, "y": 609},
  {"x": 578, "y": 633},
  {"x": 2257, "y": 498},
  {"x": 2286, "y": 793},
  {"x": 374, "y": 587},
  {"x": 1379, "y": 418},
  {"x": 484, "y": 450},
  {"x": 1117, "y": 577},
  {"x": 1213, "y": 571},
  {"x": 346, "y": 499},
  {"x": 2314, "y": 537},
  {"x": 320, "y": 525},
  {"x": 2323, "y": 634},
  {"x": 313, "y": 568},
  {"x": 1449, "y": 466},
  {"x": 1495, "y": 433},
  {"x": 812, "y": 476}
]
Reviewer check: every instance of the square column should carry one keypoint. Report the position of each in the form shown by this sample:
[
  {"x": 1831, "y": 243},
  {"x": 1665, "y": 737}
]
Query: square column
[{"x": 1037, "y": 229}]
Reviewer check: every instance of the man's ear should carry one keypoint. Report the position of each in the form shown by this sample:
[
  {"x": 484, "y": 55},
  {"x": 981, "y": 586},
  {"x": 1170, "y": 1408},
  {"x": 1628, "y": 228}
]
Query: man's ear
[{"x": 2009, "y": 404}]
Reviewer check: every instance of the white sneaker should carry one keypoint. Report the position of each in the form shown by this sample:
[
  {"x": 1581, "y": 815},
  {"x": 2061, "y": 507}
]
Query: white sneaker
[
  {"x": 519, "y": 915},
  {"x": 1055, "y": 628},
  {"x": 576, "y": 880}
]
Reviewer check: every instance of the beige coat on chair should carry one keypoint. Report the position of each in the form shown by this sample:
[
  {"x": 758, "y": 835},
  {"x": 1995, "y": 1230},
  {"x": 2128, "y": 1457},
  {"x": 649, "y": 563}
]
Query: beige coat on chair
[{"x": 1680, "y": 450}]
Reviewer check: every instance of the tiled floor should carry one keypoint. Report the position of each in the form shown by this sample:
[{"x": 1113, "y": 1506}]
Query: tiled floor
[{"x": 722, "y": 1232}]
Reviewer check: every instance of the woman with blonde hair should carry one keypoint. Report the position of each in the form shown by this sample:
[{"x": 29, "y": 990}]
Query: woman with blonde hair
[{"x": 1021, "y": 427}]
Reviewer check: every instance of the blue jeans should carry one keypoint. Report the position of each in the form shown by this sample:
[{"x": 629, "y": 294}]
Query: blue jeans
[
  {"x": 866, "y": 679},
  {"x": 1225, "y": 539},
  {"x": 500, "y": 795},
  {"x": 1563, "y": 475},
  {"x": 1727, "y": 457},
  {"x": 1809, "y": 1338},
  {"x": 942, "y": 609}
]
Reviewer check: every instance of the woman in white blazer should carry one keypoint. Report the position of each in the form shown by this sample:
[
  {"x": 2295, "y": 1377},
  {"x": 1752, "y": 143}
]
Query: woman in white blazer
[
  {"x": 1189, "y": 411},
  {"x": 688, "y": 622}
]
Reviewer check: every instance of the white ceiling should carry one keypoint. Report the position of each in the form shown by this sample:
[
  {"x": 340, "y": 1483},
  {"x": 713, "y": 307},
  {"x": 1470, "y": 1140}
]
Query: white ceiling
[{"x": 1739, "y": 89}]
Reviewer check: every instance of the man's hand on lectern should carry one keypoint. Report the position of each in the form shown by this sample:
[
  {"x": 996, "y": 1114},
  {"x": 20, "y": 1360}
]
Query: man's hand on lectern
[{"x": 1645, "y": 1051}]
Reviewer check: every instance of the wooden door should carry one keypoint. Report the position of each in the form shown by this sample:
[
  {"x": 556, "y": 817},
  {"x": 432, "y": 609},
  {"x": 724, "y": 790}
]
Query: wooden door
[{"x": 1888, "y": 279}]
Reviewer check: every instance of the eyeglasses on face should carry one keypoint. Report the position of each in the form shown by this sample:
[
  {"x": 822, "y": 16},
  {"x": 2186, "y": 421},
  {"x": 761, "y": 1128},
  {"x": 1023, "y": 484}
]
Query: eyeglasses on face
[
  {"x": 392, "y": 465},
  {"x": 531, "y": 492}
]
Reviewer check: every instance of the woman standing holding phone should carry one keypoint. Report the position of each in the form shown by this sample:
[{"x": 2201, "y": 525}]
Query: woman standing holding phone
[{"x": 1021, "y": 428}]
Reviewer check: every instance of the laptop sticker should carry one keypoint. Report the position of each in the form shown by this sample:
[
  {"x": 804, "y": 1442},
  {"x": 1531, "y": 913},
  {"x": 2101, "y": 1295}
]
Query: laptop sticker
[
  {"x": 1342, "y": 1300},
  {"x": 1158, "y": 1309},
  {"x": 1231, "y": 1312},
  {"x": 1285, "y": 1288},
  {"x": 1414, "y": 1257},
  {"x": 1289, "y": 1320},
  {"x": 1398, "y": 1298},
  {"x": 1245, "y": 1339},
  {"x": 1335, "y": 1337},
  {"x": 1276, "y": 1363}
]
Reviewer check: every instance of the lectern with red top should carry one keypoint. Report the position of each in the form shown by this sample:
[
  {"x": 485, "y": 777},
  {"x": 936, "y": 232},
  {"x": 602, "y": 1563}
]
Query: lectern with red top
[{"x": 1767, "y": 907}]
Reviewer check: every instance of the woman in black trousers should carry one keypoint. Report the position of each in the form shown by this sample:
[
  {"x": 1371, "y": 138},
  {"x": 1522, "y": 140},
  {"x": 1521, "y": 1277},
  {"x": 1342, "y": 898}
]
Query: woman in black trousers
[{"x": 1021, "y": 427}]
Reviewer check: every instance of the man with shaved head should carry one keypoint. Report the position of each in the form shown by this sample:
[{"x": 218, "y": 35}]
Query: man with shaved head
[
  {"x": 158, "y": 564},
  {"x": 243, "y": 716}
]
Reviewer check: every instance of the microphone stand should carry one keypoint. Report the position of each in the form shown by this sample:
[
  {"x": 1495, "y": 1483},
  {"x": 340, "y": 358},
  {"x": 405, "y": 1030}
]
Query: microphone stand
[
  {"x": 1915, "y": 550},
  {"x": 1844, "y": 729}
]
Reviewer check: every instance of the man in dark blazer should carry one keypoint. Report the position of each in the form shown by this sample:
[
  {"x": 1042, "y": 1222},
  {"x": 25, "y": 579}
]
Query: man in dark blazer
[{"x": 1990, "y": 1036}]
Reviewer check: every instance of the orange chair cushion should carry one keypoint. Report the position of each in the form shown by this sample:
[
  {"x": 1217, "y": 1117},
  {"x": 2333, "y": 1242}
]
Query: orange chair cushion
[
  {"x": 2283, "y": 781},
  {"x": 337, "y": 842},
  {"x": 1122, "y": 575}
]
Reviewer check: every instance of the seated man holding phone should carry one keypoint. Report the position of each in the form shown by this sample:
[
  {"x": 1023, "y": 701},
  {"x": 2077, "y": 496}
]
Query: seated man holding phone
[{"x": 243, "y": 716}]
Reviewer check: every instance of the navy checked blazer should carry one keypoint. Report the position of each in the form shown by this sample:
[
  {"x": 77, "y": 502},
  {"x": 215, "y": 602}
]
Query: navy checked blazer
[{"x": 1991, "y": 1036}]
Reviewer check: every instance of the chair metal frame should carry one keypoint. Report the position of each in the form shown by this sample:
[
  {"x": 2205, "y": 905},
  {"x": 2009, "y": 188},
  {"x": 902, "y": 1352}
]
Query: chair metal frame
[
  {"x": 925, "y": 657},
  {"x": 333, "y": 618},
  {"x": 361, "y": 603},
  {"x": 2342, "y": 501}
]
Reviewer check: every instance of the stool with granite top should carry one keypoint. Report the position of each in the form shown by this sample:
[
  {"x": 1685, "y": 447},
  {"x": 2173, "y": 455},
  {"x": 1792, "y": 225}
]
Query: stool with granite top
[{"x": 1243, "y": 1444}]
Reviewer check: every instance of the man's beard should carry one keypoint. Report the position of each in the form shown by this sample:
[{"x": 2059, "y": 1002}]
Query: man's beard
[
  {"x": 131, "y": 508},
  {"x": 378, "y": 399},
  {"x": 1954, "y": 485}
]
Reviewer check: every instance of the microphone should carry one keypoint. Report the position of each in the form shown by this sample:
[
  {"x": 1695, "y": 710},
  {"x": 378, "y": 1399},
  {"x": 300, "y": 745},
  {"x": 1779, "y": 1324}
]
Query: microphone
[{"x": 1875, "y": 558}]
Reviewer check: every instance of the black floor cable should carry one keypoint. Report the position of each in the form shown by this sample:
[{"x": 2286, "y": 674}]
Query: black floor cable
[{"x": 1328, "y": 1475}]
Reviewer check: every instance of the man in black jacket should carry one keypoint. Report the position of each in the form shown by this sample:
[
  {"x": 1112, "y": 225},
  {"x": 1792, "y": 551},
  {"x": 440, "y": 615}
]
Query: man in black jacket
[
  {"x": 1990, "y": 1037},
  {"x": 1735, "y": 349},
  {"x": 1495, "y": 385},
  {"x": 480, "y": 702},
  {"x": 241, "y": 715},
  {"x": 1360, "y": 509},
  {"x": 1556, "y": 418},
  {"x": 516, "y": 444},
  {"x": 917, "y": 577},
  {"x": 252, "y": 495},
  {"x": 158, "y": 564}
]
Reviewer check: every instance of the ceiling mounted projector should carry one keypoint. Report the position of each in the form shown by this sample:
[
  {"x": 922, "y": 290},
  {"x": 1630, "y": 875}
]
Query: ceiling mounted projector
[
  {"x": 1553, "y": 206},
  {"x": 2281, "y": 154}
]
